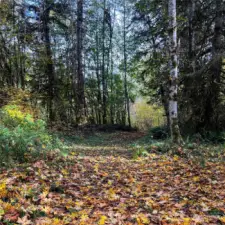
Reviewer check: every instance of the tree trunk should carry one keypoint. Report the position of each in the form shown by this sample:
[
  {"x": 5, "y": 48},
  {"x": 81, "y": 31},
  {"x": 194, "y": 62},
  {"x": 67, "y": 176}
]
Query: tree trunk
[
  {"x": 217, "y": 54},
  {"x": 127, "y": 100},
  {"x": 111, "y": 72},
  {"x": 104, "y": 103},
  {"x": 99, "y": 97},
  {"x": 173, "y": 89},
  {"x": 50, "y": 72},
  {"x": 80, "y": 76},
  {"x": 191, "y": 34}
]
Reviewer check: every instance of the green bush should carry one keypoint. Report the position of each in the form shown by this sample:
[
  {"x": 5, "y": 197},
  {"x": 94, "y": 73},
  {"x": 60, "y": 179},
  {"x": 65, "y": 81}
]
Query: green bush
[
  {"x": 214, "y": 137},
  {"x": 140, "y": 151},
  {"x": 159, "y": 133},
  {"x": 21, "y": 136}
]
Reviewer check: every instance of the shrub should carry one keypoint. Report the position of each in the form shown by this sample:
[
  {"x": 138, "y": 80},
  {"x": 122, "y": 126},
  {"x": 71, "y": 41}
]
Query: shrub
[
  {"x": 140, "y": 151},
  {"x": 214, "y": 137},
  {"x": 159, "y": 133},
  {"x": 22, "y": 136}
]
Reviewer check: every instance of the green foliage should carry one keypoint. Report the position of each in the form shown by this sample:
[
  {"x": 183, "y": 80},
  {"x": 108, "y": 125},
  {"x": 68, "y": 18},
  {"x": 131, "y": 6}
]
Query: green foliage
[
  {"x": 21, "y": 136},
  {"x": 214, "y": 137},
  {"x": 159, "y": 133},
  {"x": 145, "y": 116},
  {"x": 140, "y": 152}
]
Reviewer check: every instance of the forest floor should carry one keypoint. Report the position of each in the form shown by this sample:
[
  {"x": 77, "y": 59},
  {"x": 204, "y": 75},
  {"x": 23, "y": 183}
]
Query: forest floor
[{"x": 98, "y": 181}]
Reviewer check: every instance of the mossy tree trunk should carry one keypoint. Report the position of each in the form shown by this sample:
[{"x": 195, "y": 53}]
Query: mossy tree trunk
[{"x": 173, "y": 89}]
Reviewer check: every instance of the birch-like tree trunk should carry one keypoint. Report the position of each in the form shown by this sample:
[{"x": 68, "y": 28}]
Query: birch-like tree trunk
[
  {"x": 173, "y": 106},
  {"x": 127, "y": 100},
  {"x": 104, "y": 97}
]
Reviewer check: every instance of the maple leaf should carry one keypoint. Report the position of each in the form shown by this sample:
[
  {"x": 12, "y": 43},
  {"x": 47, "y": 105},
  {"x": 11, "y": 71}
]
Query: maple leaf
[
  {"x": 24, "y": 221},
  {"x": 142, "y": 219},
  {"x": 3, "y": 190},
  {"x": 39, "y": 164},
  {"x": 196, "y": 179},
  {"x": 102, "y": 220},
  {"x": 56, "y": 221},
  {"x": 222, "y": 219},
  {"x": 112, "y": 194},
  {"x": 11, "y": 215},
  {"x": 84, "y": 217},
  {"x": 186, "y": 221}
]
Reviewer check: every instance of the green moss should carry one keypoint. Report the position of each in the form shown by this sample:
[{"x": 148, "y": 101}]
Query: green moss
[{"x": 175, "y": 131}]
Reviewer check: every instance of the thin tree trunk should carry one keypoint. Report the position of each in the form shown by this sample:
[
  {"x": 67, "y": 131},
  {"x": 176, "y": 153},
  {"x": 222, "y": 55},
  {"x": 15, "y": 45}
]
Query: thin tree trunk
[
  {"x": 127, "y": 100},
  {"x": 217, "y": 54},
  {"x": 111, "y": 73},
  {"x": 104, "y": 104},
  {"x": 191, "y": 34},
  {"x": 50, "y": 71},
  {"x": 173, "y": 105},
  {"x": 80, "y": 76},
  {"x": 99, "y": 97}
]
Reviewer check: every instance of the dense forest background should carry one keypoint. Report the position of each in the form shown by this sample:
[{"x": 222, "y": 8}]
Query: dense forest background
[{"x": 86, "y": 61}]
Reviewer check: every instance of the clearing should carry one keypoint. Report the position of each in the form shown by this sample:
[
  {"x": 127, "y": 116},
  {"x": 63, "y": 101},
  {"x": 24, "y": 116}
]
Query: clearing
[{"x": 99, "y": 182}]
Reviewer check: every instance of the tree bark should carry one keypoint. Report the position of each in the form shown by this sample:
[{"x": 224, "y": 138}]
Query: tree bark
[
  {"x": 104, "y": 86},
  {"x": 217, "y": 54},
  {"x": 80, "y": 75},
  {"x": 173, "y": 78},
  {"x": 99, "y": 97},
  {"x": 50, "y": 71},
  {"x": 127, "y": 100}
]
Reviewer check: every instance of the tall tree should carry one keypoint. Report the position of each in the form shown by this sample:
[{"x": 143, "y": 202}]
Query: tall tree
[
  {"x": 80, "y": 75},
  {"x": 104, "y": 85},
  {"x": 173, "y": 78},
  {"x": 127, "y": 100},
  {"x": 50, "y": 70}
]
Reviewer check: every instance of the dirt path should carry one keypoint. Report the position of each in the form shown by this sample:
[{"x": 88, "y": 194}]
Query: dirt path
[{"x": 107, "y": 144}]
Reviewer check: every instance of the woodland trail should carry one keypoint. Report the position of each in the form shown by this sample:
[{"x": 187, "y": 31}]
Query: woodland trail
[
  {"x": 99, "y": 183},
  {"x": 110, "y": 144}
]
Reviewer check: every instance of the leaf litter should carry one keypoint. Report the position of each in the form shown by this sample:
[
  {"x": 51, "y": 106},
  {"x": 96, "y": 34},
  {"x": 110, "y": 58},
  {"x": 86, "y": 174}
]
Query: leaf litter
[{"x": 105, "y": 190}]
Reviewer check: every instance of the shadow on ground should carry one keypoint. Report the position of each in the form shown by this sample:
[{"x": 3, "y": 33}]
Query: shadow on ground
[{"x": 106, "y": 144}]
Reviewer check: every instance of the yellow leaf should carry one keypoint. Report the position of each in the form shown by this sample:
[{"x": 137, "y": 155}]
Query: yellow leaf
[
  {"x": 196, "y": 179},
  {"x": 3, "y": 190},
  {"x": 142, "y": 219},
  {"x": 56, "y": 221},
  {"x": 139, "y": 221},
  {"x": 84, "y": 217},
  {"x": 222, "y": 219},
  {"x": 176, "y": 157},
  {"x": 102, "y": 220},
  {"x": 65, "y": 172},
  {"x": 111, "y": 194},
  {"x": 2, "y": 212},
  {"x": 187, "y": 221}
]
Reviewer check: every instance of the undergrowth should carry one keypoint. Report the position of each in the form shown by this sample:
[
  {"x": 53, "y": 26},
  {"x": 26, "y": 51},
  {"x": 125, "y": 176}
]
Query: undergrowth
[
  {"x": 22, "y": 137},
  {"x": 209, "y": 147}
]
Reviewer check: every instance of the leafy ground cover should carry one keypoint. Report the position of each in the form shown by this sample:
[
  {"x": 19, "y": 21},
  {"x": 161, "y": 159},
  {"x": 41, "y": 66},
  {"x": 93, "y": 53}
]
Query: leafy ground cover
[{"x": 99, "y": 182}]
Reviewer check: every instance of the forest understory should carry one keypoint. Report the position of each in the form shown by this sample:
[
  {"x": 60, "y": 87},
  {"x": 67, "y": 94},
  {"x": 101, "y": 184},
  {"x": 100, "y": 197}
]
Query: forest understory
[{"x": 100, "y": 179}]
